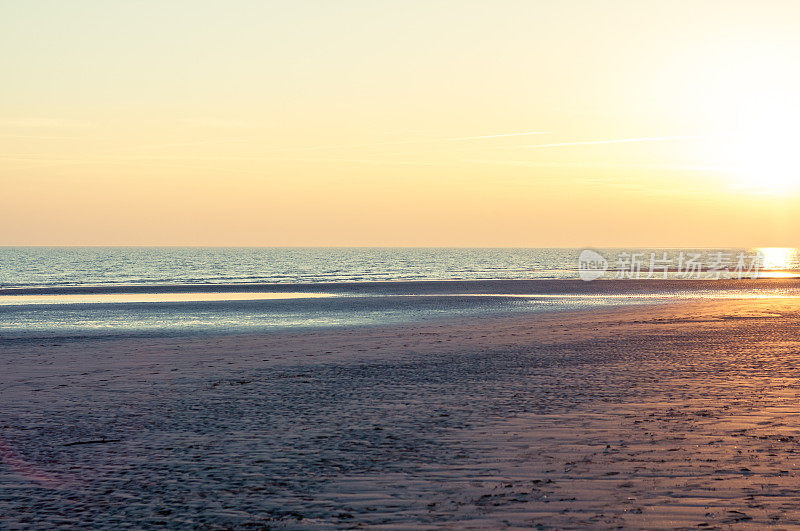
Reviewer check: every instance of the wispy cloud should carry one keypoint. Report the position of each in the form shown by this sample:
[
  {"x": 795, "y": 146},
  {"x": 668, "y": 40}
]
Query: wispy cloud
[
  {"x": 417, "y": 141},
  {"x": 601, "y": 165},
  {"x": 45, "y": 123},
  {"x": 132, "y": 149},
  {"x": 38, "y": 137},
  {"x": 277, "y": 149},
  {"x": 614, "y": 141},
  {"x": 499, "y": 136}
]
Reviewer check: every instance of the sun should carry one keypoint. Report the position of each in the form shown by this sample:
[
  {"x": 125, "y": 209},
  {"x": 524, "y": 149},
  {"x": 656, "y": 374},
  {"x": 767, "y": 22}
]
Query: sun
[
  {"x": 748, "y": 112},
  {"x": 764, "y": 158},
  {"x": 762, "y": 155}
]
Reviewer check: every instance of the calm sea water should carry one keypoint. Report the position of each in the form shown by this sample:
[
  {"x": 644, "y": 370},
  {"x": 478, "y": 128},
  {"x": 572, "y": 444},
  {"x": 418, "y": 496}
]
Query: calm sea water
[
  {"x": 73, "y": 291},
  {"x": 70, "y": 266},
  {"x": 76, "y": 266}
]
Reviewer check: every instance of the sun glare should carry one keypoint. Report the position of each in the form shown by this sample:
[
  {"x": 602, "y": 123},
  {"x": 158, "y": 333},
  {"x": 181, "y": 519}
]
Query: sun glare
[
  {"x": 778, "y": 261},
  {"x": 759, "y": 148},
  {"x": 751, "y": 113},
  {"x": 763, "y": 158}
]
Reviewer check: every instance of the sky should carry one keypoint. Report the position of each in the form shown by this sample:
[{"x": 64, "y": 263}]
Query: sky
[{"x": 414, "y": 123}]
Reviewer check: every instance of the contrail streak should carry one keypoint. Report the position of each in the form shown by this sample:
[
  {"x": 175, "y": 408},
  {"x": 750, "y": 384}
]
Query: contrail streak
[
  {"x": 128, "y": 149},
  {"x": 319, "y": 147},
  {"x": 38, "y": 137},
  {"x": 414, "y": 141},
  {"x": 616, "y": 141},
  {"x": 498, "y": 136}
]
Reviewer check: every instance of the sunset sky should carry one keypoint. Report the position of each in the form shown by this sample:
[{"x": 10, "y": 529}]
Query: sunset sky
[{"x": 442, "y": 123}]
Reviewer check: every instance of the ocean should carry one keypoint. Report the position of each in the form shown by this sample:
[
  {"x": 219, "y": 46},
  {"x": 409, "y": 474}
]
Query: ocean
[
  {"x": 65, "y": 266},
  {"x": 109, "y": 291}
]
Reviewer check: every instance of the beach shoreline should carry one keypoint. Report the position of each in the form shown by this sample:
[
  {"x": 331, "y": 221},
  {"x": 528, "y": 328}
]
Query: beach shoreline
[
  {"x": 60, "y": 312},
  {"x": 668, "y": 415}
]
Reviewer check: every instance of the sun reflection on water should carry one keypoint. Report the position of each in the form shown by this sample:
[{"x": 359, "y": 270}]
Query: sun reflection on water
[{"x": 779, "y": 262}]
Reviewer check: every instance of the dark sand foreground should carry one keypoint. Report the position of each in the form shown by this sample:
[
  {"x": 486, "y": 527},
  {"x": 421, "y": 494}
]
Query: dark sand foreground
[{"x": 660, "y": 416}]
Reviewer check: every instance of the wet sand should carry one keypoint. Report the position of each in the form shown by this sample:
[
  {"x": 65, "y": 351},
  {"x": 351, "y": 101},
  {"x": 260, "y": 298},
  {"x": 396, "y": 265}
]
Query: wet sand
[{"x": 659, "y": 416}]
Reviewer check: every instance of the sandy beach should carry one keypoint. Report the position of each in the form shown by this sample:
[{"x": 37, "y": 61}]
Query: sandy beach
[
  {"x": 411, "y": 265},
  {"x": 679, "y": 415}
]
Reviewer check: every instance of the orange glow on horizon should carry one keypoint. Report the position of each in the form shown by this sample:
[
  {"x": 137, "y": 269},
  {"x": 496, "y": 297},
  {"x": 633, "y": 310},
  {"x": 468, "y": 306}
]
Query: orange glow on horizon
[{"x": 400, "y": 124}]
